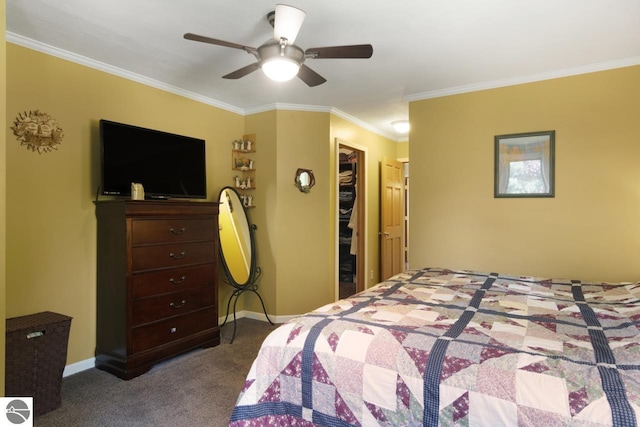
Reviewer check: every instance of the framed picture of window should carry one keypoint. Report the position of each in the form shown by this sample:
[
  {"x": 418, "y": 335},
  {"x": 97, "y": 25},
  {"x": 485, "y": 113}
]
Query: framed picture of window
[{"x": 524, "y": 164}]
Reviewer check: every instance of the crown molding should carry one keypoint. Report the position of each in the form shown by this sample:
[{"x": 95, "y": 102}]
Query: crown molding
[
  {"x": 110, "y": 69},
  {"x": 362, "y": 124},
  {"x": 565, "y": 72},
  {"x": 284, "y": 106},
  {"x": 322, "y": 109}
]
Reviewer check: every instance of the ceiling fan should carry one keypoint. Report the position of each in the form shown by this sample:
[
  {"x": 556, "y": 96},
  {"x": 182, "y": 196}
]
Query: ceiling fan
[{"x": 279, "y": 58}]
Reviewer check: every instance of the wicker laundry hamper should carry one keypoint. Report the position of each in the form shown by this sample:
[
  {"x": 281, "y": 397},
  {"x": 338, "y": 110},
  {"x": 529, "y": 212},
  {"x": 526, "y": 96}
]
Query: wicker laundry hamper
[{"x": 36, "y": 354}]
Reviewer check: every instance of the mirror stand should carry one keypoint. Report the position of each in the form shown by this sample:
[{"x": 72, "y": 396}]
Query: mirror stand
[
  {"x": 237, "y": 251},
  {"x": 239, "y": 290}
]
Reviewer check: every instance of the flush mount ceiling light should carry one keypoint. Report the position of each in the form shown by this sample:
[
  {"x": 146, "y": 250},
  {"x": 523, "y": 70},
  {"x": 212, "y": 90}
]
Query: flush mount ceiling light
[{"x": 401, "y": 126}]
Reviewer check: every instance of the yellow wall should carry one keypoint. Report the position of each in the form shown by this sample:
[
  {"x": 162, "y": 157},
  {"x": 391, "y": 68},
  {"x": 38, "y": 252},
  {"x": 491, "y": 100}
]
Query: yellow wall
[
  {"x": 403, "y": 151},
  {"x": 265, "y": 197},
  {"x": 3, "y": 206},
  {"x": 590, "y": 230},
  {"x": 304, "y": 259},
  {"x": 296, "y": 235},
  {"x": 51, "y": 226},
  {"x": 293, "y": 248}
]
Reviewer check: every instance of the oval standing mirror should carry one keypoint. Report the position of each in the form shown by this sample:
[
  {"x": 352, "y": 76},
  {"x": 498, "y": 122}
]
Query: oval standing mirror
[
  {"x": 236, "y": 238},
  {"x": 237, "y": 250}
]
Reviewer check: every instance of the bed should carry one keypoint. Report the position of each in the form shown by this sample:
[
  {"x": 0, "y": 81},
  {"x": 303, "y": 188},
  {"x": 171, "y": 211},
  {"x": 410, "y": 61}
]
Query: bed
[{"x": 443, "y": 347}]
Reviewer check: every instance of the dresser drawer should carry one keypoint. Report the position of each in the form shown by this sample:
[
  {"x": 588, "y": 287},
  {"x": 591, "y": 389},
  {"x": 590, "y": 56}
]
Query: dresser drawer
[
  {"x": 149, "y": 231},
  {"x": 175, "y": 328},
  {"x": 175, "y": 279},
  {"x": 162, "y": 256},
  {"x": 150, "y": 309}
]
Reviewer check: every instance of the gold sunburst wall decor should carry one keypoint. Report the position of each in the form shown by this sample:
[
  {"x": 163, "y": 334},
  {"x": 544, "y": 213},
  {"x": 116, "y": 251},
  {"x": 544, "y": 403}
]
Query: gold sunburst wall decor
[{"x": 38, "y": 131}]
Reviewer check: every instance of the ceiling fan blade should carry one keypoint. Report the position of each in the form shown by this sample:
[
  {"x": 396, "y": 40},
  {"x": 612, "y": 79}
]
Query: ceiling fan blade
[
  {"x": 198, "y": 38},
  {"x": 353, "y": 51},
  {"x": 288, "y": 21},
  {"x": 310, "y": 77},
  {"x": 242, "y": 71}
]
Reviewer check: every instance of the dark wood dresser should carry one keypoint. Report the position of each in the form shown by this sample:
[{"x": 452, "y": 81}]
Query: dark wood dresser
[{"x": 157, "y": 294}]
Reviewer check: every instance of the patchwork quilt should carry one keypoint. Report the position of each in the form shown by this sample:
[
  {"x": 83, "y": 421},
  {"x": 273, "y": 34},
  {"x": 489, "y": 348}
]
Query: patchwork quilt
[{"x": 440, "y": 347}]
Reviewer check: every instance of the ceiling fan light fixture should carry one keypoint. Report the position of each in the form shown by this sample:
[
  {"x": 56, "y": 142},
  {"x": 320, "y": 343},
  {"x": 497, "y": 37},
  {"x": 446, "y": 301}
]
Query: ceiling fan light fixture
[
  {"x": 401, "y": 126},
  {"x": 279, "y": 58},
  {"x": 280, "y": 69}
]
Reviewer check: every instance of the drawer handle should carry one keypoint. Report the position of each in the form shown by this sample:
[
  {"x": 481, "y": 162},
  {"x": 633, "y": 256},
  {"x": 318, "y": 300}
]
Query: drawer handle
[
  {"x": 182, "y": 303},
  {"x": 177, "y": 282},
  {"x": 173, "y": 330},
  {"x": 182, "y": 230},
  {"x": 181, "y": 255}
]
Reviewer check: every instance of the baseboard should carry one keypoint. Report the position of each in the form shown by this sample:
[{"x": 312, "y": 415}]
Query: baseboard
[
  {"x": 83, "y": 365},
  {"x": 261, "y": 316},
  {"x": 80, "y": 366}
]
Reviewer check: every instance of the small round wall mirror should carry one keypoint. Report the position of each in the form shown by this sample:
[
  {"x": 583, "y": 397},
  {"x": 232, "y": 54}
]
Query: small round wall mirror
[{"x": 305, "y": 180}]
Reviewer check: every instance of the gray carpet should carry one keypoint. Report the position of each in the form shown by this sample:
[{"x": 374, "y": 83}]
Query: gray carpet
[{"x": 198, "y": 388}]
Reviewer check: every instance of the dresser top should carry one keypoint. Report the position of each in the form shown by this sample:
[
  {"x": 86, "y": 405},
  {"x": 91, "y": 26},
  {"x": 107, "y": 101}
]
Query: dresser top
[{"x": 156, "y": 207}]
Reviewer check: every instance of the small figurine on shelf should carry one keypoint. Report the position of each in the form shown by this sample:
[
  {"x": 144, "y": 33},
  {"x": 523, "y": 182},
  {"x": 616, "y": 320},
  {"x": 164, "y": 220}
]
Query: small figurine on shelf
[
  {"x": 236, "y": 145},
  {"x": 237, "y": 181},
  {"x": 249, "y": 200},
  {"x": 243, "y": 185},
  {"x": 249, "y": 145},
  {"x": 248, "y": 182},
  {"x": 250, "y": 164},
  {"x": 242, "y": 146}
]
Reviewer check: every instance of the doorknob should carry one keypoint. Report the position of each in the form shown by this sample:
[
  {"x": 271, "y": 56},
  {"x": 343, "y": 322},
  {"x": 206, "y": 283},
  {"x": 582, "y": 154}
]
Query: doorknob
[{"x": 385, "y": 233}]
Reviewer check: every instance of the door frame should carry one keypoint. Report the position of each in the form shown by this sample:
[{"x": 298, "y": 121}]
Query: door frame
[{"x": 363, "y": 215}]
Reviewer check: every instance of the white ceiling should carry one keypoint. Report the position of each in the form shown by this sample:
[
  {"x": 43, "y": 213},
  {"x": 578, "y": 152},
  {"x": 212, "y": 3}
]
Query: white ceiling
[{"x": 421, "y": 48}]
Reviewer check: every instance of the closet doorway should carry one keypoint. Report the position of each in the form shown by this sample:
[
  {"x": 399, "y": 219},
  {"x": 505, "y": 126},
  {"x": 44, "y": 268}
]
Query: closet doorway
[{"x": 351, "y": 219}]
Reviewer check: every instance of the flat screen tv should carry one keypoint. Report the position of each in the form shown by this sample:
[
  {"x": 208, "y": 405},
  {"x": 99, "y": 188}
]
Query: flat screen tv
[{"x": 167, "y": 165}]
